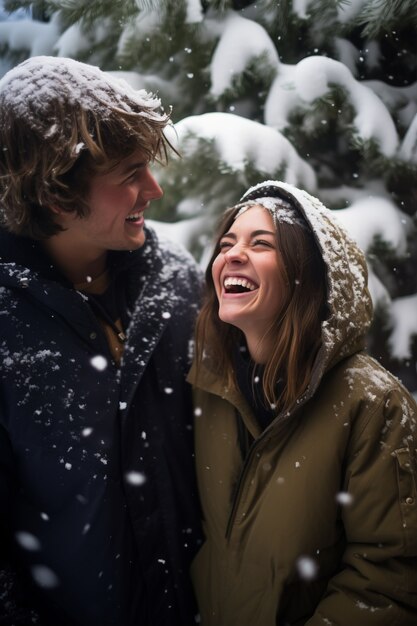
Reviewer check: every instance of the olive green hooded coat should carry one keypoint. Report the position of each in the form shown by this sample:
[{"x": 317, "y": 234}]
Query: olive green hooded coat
[{"x": 318, "y": 524}]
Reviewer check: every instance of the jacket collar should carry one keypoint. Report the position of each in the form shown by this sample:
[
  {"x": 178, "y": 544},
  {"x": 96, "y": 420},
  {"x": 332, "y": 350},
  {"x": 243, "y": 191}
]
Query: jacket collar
[
  {"x": 28, "y": 254},
  {"x": 24, "y": 257},
  {"x": 25, "y": 266}
]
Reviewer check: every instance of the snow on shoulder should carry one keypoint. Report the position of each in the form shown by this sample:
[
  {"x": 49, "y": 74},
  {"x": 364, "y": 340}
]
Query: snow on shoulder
[
  {"x": 179, "y": 257},
  {"x": 175, "y": 259}
]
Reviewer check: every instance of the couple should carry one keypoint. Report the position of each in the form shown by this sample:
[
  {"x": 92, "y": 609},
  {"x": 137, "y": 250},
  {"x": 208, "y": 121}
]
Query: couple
[{"x": 304, "y": 446}]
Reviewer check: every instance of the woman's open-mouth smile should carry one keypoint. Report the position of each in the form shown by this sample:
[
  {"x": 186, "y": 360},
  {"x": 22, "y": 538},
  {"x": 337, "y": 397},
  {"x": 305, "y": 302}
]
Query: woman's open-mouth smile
[{"x": 238, "y": 286}]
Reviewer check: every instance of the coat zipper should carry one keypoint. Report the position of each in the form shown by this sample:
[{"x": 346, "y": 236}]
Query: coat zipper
[
  {"x": 247, "y": 462},
  {"x": 238, "y": 492},
  {"x": 242, "y": 478}
]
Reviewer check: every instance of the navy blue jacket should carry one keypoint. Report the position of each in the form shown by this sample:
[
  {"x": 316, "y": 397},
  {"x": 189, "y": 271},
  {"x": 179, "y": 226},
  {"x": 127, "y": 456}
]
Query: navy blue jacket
[{"x": 99, "y": 512}]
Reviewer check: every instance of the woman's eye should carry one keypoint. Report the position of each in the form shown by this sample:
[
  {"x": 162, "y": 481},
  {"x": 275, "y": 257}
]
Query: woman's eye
[
  {"x": 224, "y": 245},
  {"x": 263, "y": 242}
]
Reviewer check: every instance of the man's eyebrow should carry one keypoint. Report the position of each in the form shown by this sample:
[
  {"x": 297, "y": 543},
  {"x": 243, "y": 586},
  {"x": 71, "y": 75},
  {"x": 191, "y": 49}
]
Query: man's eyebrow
[
  {"x": 254, "y": 233},
  {"x": 134, "y": 166}
]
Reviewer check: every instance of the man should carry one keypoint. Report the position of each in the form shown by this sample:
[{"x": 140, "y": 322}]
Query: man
[{"x": 97, "y": 496}]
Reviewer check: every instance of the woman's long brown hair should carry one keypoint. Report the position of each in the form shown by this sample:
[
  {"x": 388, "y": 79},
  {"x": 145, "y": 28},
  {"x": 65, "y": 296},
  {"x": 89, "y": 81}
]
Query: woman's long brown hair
[{"x": 296, "y": 333}]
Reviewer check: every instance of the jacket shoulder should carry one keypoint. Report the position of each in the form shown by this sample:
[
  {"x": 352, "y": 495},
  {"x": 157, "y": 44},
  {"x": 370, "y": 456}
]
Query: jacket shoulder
[
  {"x": 363, "y": 377},
  {"x": 378, "y": 404},
  {"x": 179, "y": 268},
  {"x": 177, "y": 253}
]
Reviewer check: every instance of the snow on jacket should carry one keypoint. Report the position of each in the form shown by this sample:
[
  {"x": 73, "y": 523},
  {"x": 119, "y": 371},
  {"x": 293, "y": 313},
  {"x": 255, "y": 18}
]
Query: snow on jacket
[
  {"x": 96, "y": 463},
  {"x": 318, "y": 524}
]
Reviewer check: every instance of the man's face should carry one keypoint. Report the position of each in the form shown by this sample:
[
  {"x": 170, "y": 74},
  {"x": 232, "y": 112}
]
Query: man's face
[{"x": 117, "y": 201}]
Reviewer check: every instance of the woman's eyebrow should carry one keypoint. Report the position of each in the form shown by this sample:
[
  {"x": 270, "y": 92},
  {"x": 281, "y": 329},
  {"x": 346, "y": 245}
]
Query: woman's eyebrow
[
  {"x": 230, "y": 235},
  {"x": 254, "y": 233}
]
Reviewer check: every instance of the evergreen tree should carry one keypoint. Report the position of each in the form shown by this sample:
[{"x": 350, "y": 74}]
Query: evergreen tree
[{"x": 319, "y": 93}]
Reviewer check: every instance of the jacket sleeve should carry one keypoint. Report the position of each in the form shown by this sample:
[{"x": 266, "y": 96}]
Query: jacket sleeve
[
  {"x": 13, "y": 608},
  {"x": 377, "y": 584}
]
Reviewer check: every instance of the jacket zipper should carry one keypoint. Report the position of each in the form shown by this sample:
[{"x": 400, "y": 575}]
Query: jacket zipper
[
  {"x": 242, "y": 478},
  {"x": 238, "y": 492},
  {"x": 247, "y": 462}
]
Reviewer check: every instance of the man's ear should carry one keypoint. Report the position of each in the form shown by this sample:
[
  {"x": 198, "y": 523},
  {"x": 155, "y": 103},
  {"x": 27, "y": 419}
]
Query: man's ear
[{"x": 60, "y": 215}]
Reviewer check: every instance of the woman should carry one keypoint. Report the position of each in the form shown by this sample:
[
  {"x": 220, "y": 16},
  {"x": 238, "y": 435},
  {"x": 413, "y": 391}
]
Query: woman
[{"x": 305, "y": 445}]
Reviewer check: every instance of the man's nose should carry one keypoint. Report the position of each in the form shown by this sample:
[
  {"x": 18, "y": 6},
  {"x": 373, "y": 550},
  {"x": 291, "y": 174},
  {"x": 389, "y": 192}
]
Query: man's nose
[{"x": 151, "y": 189}]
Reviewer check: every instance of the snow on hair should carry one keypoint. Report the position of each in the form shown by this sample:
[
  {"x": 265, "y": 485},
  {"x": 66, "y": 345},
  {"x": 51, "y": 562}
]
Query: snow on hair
[
  {"x": 35, "y": 87},
  {"x": 280, "y": 210}
]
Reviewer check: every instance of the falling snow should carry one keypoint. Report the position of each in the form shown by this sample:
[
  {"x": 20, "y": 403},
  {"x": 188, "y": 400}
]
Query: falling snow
[
  {"x": 135, "y": 478},
  {"x": 28, "y": 541},
  {"x": 307, "y": 568},
  {"x": 44, "y": 576}
]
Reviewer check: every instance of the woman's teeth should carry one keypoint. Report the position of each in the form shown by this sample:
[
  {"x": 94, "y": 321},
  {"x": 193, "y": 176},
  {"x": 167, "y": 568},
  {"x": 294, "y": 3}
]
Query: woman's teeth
[{"x": 232, "y": 281}]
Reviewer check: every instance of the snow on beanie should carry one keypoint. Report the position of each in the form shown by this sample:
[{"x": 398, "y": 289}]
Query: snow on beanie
[{"x": 271, "y": 196}]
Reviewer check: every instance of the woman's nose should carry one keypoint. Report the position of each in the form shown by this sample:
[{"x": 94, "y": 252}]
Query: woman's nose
[{"x": 236, "y": 254}]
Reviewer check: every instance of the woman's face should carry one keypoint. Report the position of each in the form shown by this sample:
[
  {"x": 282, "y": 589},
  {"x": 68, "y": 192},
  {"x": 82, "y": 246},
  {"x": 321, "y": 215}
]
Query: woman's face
[{"x": 248, "y": 274}]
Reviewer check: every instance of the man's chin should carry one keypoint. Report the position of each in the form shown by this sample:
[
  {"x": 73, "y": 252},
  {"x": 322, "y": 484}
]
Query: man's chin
[{"x": 131, "y": 246}]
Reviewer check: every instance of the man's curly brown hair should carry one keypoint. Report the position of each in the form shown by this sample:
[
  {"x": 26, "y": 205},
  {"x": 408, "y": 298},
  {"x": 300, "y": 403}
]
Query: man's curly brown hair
[{"x": 41, "y": 169}]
